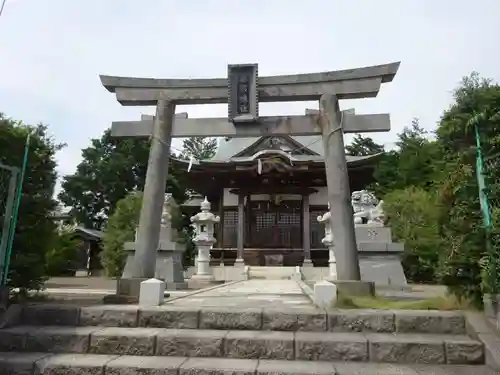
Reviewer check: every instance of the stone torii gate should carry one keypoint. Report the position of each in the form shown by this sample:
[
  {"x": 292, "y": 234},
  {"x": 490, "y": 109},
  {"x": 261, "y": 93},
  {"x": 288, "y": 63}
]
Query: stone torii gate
[{"x": 243, "y": 90}]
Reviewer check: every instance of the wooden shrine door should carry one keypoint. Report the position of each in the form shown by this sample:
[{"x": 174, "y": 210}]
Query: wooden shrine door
[{"x": 275, "y": 225}]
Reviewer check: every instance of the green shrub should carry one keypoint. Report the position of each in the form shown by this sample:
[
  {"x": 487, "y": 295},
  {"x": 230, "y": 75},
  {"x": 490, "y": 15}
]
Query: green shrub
[
  {"x": 414, "y": 216},
  {"x": 122, "y": 226},
  {"x": 120, "y": 229},
  {"x": 464, "y": 235}
]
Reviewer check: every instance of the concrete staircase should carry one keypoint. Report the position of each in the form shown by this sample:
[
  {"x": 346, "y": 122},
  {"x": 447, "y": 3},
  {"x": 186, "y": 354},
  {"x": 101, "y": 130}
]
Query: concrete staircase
[
  {"x": 127, "y": 340},
  {"x": 270, "y": 273}
]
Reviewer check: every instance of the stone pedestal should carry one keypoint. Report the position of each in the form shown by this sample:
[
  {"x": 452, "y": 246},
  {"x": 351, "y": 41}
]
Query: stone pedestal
[
  {"x": 332, "y": 263},
  {"x": 328, "y": 241},
  {"x": 307, "y": 263},
  {"x": 239, "y": 263},
  {"x": 355, "y": 288},
  {"x": 380, "y": 257},
  {"x": 168, "y": 267},
  {"x": 127, "y": 291},
  {"x": 168, "y": 262},
  {"x": 203, "y": 262}
]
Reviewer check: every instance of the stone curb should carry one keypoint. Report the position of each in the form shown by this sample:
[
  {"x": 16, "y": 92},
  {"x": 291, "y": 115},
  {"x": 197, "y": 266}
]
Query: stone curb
[
  {"x": 203, "y": 290},
  {"x": 479, "y": 329},
  {"x": 223, "y": 318},
  {"x": 11, "y": 316},
  {"x": 271, "y": 345},
  {"x": 51, "y": 364},
  {"x": 307, "y": 291}
]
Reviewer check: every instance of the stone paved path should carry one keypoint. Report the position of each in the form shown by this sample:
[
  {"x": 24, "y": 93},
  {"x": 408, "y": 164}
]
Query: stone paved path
[{"x": 251, "y": 293}]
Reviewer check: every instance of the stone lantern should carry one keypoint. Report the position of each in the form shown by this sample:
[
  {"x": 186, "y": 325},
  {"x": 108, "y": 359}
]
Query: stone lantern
[
  {"x": 328, "y": 241},
  {"x": 203, "y": 223}
]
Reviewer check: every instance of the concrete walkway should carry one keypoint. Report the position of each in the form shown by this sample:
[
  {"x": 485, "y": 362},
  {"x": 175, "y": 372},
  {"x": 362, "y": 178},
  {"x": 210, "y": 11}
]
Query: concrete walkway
[{"x": 251, "y": 293}]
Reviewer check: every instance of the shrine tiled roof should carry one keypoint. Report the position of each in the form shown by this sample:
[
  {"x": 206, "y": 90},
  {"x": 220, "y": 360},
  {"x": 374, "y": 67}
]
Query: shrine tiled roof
[
  {"x": 227, "y": 148},
  {"x": 240, "y": 151}
]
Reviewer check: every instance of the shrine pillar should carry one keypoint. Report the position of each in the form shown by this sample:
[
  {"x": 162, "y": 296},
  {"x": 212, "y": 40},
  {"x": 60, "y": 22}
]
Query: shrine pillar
[
  {"x": 241, "y": 230},
  {"x": 306, "y": 234}
]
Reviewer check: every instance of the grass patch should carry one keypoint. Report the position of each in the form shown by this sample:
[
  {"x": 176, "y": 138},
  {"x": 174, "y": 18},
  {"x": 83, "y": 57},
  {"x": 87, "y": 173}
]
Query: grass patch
[{"x": 384, "y": 303}]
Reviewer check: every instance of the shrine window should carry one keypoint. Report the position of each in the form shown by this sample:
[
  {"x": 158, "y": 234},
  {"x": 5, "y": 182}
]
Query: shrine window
[{"x": 230, "y": 228}]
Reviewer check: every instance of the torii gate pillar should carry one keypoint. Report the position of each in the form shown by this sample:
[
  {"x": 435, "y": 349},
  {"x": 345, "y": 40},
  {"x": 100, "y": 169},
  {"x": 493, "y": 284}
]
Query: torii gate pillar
[{"x": 339, "y": 195}]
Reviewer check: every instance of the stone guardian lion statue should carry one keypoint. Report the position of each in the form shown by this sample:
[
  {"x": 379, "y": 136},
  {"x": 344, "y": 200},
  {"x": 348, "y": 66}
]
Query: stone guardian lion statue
[{"x": 367, "y": 208}]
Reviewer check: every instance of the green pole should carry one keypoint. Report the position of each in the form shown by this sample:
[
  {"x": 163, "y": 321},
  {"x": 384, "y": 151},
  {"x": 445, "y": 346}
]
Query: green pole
[
  {"x": 483, "y": 197},
  {"x": 16, "y": 211},
  {"x": 485, "y": 208}
]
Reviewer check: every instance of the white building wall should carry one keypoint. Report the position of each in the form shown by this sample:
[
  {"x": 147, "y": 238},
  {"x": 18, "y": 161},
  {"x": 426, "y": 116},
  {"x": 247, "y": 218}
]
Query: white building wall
[
  {"x": 320, "y": 198},
  {"x": 230, "y": 199}
]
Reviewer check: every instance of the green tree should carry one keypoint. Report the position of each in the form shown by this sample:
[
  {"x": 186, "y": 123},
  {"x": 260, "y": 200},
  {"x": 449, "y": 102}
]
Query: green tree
[
  {"x": 363, "y": 146},
  {"x": 415, "y": 162},
  {"x": 35, "y": 230},
  {"x": 476, "y": 101},
  {"x": 64, "y": 254},
  {"x": 199, "y": 147},
  {"x": 414, "y": 215},
  {"x": 111, "y": 168},
  {"x": 120, "y": 229}
]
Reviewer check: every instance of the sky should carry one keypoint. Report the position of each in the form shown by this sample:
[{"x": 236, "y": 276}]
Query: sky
[{"x": 52, "y": 52}]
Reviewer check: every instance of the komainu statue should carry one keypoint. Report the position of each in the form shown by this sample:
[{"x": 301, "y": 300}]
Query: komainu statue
[
  {"x": 165, "y": 214},
  {"x": 367, "y": 208}
]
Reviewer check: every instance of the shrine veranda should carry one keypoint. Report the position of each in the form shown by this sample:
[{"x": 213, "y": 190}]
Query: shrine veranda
[{"x": 271, "y": 176}]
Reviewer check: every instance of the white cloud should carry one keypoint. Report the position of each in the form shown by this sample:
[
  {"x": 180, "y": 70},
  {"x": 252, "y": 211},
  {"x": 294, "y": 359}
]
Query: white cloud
[{"x": 52, "y": 52}]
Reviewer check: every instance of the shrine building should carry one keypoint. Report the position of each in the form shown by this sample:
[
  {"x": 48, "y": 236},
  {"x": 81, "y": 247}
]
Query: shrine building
[{"x": 268, "y": 192}]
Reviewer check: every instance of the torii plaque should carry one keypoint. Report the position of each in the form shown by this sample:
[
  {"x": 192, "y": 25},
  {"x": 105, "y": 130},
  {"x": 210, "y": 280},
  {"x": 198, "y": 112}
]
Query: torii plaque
[{"x": 243, "y": 90}]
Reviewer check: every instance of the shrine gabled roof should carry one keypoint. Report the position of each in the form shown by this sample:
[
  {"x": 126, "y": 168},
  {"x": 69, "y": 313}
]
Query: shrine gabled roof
[
  {"x": 231, "y": 151},
  {"x": 228, "y": 148}
]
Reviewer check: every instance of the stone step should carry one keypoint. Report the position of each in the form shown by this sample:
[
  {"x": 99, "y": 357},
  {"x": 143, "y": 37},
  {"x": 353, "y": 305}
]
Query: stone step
[
  {"x": 293, "y": 319},
  {"x": 270, "y": 273},
  {"x": 87, "y": 364},
  {"x": 312, "y": 346}
]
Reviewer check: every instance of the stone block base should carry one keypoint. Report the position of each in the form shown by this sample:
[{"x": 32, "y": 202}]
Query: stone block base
[
  {"x": 307, "y": 263},
  {"x": 239, "y": 263},
  {"x": 117, "y": 299},
  {"x": 355, "y": 288},
  {"x": 129, "y": 287},
  {"x": 127, "y": 291},
  {"x": 201, "y": 282},
  {"x": 176, "y": 286}
]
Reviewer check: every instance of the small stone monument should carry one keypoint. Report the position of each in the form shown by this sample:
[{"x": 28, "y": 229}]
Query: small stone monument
[
  {"x": 203, "y": 223},
  {"x": 325, "y": 294},
  {"x": 380, "y": 258},
  {"x": 169, "y": 253},
  {"x": 328, "y": 241},
  {"x": 152, "y": 293}
]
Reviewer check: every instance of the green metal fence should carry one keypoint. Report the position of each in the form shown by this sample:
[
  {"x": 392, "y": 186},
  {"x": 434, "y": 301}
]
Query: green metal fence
[{"x": 9, "y": 180}]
